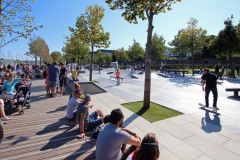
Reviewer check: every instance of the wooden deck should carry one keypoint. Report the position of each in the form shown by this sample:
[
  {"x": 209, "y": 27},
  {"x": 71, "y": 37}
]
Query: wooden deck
[{"x": 42, "y": 132}]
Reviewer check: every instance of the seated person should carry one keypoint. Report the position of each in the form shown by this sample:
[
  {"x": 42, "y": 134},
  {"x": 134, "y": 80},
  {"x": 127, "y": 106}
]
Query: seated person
[
  {"x": 75, "y": 74},
  {"x": 148, "y": 150},
  {"x": 72, "y": 104},
  {"x": 112, "y": 139},
  {"x": 86, "y": 121},
  {"x": 8, "y": 86},
  {"x": 77, "y": 86},
  {"x": 2, "y": 112}
]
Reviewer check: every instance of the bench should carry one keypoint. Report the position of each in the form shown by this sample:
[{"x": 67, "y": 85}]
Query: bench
[
  {"x": 234, "y": 90},
  {"x": 174, "y": 71},
  {"x": 116, "y": 78}
]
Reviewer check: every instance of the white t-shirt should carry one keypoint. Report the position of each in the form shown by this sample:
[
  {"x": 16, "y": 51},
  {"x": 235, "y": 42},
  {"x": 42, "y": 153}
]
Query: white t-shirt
[{"x": 71, "y": 107}]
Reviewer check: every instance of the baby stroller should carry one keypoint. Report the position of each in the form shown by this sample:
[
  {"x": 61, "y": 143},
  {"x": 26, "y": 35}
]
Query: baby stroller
[{"x": 22, "y": 96}]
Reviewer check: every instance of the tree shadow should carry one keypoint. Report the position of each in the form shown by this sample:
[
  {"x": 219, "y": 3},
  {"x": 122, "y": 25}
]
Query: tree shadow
[
  {"x": 60, "y": 139},
  {"x": 210, "y": 125},
  {"x": 134, "y": 116},
  {"x": 85, "y": 148},
  {"x": 181, "y": 81},
  {"x": 63, "y": 108},
  {"x": 56, "y": 126}
]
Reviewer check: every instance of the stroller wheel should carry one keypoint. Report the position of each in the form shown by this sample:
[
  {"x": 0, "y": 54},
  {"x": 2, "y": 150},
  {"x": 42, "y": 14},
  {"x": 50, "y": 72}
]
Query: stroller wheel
[
  {"x": 28, "y": 106},
  {"x": 21, "y": 112}
]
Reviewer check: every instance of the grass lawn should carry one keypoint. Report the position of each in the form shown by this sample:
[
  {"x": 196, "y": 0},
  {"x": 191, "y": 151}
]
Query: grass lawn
[
  {"x": 95, "y": 81},
  {"x": 155, "y": 113}
]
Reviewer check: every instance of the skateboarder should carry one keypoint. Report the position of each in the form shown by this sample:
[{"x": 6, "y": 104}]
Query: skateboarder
[{"x": 210, "y": 80}]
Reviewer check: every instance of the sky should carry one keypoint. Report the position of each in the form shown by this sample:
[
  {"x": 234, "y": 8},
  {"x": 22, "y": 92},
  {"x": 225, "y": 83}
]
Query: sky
[{"x": 57, "y": 15}]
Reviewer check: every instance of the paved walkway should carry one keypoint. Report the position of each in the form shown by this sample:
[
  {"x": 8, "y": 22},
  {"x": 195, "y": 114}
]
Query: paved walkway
[{"x": 194, "y": 135}]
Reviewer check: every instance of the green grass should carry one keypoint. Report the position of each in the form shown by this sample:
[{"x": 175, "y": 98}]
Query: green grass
[
  {"x": 95, "y": 81},
  {"x": 155, "y": 113}
]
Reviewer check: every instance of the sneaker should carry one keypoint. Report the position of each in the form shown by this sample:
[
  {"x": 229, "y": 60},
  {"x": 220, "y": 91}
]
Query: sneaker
[
  {"x": 216, "y": 108},
  {"x": 5, "y": 118}
]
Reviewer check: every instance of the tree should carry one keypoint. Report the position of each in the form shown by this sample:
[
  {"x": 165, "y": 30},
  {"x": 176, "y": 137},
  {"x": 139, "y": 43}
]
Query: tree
[
  {"x": 90, "y": 30},
  {"x": 194, "y": 37},
  {"x": 226, "y": 42},
  {"x": 56, "y": 55},
  {"x": 135, "y": 52},
  {"x": 146, "y": 9},
  {"x": 121, "y": 55},
  {"x": 39, "y": 48},
  {"x": 158, "y": 47},
  {"x": 75, "y": 49},
  {"x": 179, "y": 43},
  {"x": 238, "y": 36},
  {"x": 15, "y": 21}
]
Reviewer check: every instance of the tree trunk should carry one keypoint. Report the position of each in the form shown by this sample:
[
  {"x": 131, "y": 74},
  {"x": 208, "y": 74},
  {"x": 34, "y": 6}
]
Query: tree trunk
[
  {"x": 147, "y": 84},
  {"x": 35, "y": 60},
  {"x": 91, "y": 61},
  {"x": 40, "y": 62}
]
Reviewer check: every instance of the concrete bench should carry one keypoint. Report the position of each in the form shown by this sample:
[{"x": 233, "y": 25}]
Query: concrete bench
[
  {"x": 116, "y": 78},
  {"x": 234, "y": 90}
]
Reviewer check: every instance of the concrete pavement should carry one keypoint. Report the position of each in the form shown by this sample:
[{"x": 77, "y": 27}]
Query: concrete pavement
[{"x": 196, "y": 134}]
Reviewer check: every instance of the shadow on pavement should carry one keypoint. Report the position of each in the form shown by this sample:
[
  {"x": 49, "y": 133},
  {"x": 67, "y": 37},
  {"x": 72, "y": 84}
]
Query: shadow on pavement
[
  {"x": 210, "y": 125},
  {"x": 134, "y": 116}
]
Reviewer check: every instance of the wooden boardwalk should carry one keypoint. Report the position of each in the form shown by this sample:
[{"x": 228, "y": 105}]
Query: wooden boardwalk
[{"x": 42, "y": 132}]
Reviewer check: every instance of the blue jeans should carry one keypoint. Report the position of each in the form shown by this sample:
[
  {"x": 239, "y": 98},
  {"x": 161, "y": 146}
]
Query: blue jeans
[
  {"x": 93, "y": 121},
  {"x": 215, "y": 96}
]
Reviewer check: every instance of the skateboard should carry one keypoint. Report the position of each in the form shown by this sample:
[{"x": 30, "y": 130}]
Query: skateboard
[{"x": 208, "y": 108}]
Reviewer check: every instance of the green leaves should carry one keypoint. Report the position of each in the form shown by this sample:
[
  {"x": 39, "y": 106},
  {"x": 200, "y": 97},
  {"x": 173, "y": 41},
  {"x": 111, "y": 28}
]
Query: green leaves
[{"x": 15, "y": 21}]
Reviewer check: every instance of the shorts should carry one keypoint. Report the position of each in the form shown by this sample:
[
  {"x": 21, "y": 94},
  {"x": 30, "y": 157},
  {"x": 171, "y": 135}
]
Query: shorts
[
  {"x": 62, "y": 82},
  {"x": 93, "y": 121},
  {"x": 52, "y": 83}
]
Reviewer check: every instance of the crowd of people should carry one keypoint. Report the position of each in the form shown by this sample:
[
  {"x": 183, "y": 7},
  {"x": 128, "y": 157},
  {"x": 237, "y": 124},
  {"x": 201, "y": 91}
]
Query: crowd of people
[{"x": 8, "y": 82}]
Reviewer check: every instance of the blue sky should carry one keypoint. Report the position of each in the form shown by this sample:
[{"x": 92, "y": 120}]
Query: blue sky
[{"x": 57, "y": 15}]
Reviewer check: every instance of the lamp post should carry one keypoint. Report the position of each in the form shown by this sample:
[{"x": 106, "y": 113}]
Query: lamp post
[{"x": 91, "y": 61}]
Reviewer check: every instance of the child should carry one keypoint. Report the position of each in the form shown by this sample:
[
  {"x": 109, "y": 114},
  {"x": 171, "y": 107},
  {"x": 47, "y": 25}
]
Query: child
[
  {"x": 75, "y": 74},
  {"x": 20, "y": 96},
  {"x": 118, "y": 76}
]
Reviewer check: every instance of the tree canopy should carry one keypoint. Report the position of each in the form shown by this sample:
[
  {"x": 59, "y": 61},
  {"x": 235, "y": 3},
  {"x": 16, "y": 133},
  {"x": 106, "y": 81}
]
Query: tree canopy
[
  {"x": 39, "y": 48},
  {"x": 15, "y": 21},
  {"x": 90, "y": 31},
  {"x": 135, "y": 52},
  {"x": 158, "y": 47},
  {"x": 226, "y": 42}
]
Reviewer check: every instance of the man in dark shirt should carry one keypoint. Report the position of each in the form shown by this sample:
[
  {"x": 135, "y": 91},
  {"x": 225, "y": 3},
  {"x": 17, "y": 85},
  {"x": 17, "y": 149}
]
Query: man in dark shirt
[
  {"x": 210, "y": 80},
  {"x": 62, "y": 78}
]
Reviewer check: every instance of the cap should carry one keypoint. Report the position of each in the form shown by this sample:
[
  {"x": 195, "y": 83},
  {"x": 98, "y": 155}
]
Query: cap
[{"x": 87, "y": 97}]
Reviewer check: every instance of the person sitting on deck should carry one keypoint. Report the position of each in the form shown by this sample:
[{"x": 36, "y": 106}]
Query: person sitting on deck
[
  {"x": 148, "y": 150},
  {"x": 88, "y": 122},
  {"x": 72, "y": 104}
]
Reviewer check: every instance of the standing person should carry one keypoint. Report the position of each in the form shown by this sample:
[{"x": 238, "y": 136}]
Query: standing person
[
  {"x": 46, "y": 79},
  {"x": 112, "y": 139},
  {"x": 2, "y": 112},
  {"x": 62, "y": 78},
  {"x": 217, "y": 70},
  {"x": 148, "y": 150},
  {"x": 118, "y": 76},
  {"x": 237, "y": 69},
  {"x": 210, "y": 80},
  {"x": 86, "y": 121},
  {"x": 53, "y": 78}
]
